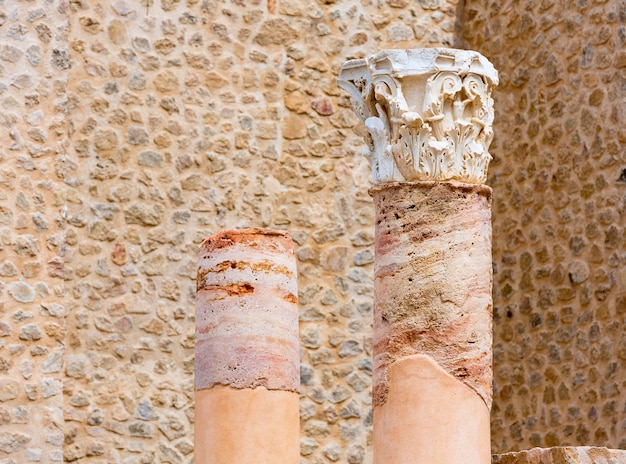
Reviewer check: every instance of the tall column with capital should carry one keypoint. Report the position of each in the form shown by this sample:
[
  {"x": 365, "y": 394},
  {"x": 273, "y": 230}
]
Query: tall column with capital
[
  {"x": 428, "y": 114},
  {"x": 247, "y": 354}
]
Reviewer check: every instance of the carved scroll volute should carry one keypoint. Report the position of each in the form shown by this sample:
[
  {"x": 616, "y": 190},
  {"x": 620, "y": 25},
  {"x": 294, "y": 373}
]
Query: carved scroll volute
[
  {"x": 355, "y": 78},
  {"x": 445, "y": 131}
]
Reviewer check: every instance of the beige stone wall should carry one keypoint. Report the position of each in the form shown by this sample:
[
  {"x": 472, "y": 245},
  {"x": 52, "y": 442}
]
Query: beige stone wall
[
  {"x": 559, "y": 206},
  {"x": 33, "y": 292},
  {"x": 162, "y": 122},
  {"x": 131, "y": 130}
]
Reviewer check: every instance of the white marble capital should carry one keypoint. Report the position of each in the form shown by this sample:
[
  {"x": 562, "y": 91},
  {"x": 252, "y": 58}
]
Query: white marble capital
[{"x": 428, "y": 113}]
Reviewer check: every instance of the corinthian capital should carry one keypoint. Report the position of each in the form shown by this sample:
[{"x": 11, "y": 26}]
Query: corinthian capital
[{"x": 428, "y": 113}]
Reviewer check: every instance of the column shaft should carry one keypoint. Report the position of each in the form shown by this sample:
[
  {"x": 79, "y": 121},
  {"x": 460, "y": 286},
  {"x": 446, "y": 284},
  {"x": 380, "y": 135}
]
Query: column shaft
[
  {"x": 432, "y": 323},
  {"x": 247, "y": 350}
]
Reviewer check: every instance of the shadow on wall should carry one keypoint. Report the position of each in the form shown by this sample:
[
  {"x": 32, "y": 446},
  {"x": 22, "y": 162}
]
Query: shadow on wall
[{"x": 558, "y": 219}]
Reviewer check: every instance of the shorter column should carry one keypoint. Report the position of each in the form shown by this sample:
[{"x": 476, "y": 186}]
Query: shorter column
[{"x": 247, "y": 355}]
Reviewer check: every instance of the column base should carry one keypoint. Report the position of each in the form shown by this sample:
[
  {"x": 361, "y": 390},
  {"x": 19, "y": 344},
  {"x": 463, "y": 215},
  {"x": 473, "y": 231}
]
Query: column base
[{"x": 562, "y": 454}]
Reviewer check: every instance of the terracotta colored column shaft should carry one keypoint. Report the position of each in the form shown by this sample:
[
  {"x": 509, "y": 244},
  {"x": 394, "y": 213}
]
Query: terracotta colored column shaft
[
  {"x": 432, "y": 323},
  {"x": 247, "y": 358}
]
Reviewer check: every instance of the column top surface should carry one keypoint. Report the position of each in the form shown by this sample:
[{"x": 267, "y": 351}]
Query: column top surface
[
  {"x": 417, "y": 61},
  {"x": 231, "y": 237}
]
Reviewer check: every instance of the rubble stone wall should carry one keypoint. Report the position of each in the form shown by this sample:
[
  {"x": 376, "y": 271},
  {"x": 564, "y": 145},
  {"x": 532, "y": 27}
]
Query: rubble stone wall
[
  {"x": 559, "y": 208},
  {"x": 34, "y": 304},
  {"x": 132, "y": 130}
]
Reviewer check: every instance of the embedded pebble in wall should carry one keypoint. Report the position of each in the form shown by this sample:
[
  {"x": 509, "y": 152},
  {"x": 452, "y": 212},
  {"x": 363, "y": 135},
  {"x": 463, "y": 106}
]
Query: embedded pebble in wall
[
  {"x": 21, "y": 292},
  {"x": 8, "y": 269},
  {"x": 9, "y": 389}
]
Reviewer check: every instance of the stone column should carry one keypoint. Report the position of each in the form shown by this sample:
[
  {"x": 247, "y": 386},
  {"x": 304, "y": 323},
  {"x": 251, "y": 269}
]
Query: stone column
[
  {"x": 247, "y": 355},
  {"x": 428, "y": 115}
]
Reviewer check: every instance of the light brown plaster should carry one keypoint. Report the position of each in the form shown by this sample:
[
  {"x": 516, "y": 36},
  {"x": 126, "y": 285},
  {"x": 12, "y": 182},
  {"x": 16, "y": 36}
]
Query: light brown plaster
[
  {"x": 430, "y": 417},
  {"x": 246, "y": 426}
]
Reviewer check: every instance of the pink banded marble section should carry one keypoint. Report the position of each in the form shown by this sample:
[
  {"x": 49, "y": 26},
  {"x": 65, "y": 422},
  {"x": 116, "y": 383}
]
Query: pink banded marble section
[
  {"x": 247, "y": 311},
  {"x": 433, "y": 275}
]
